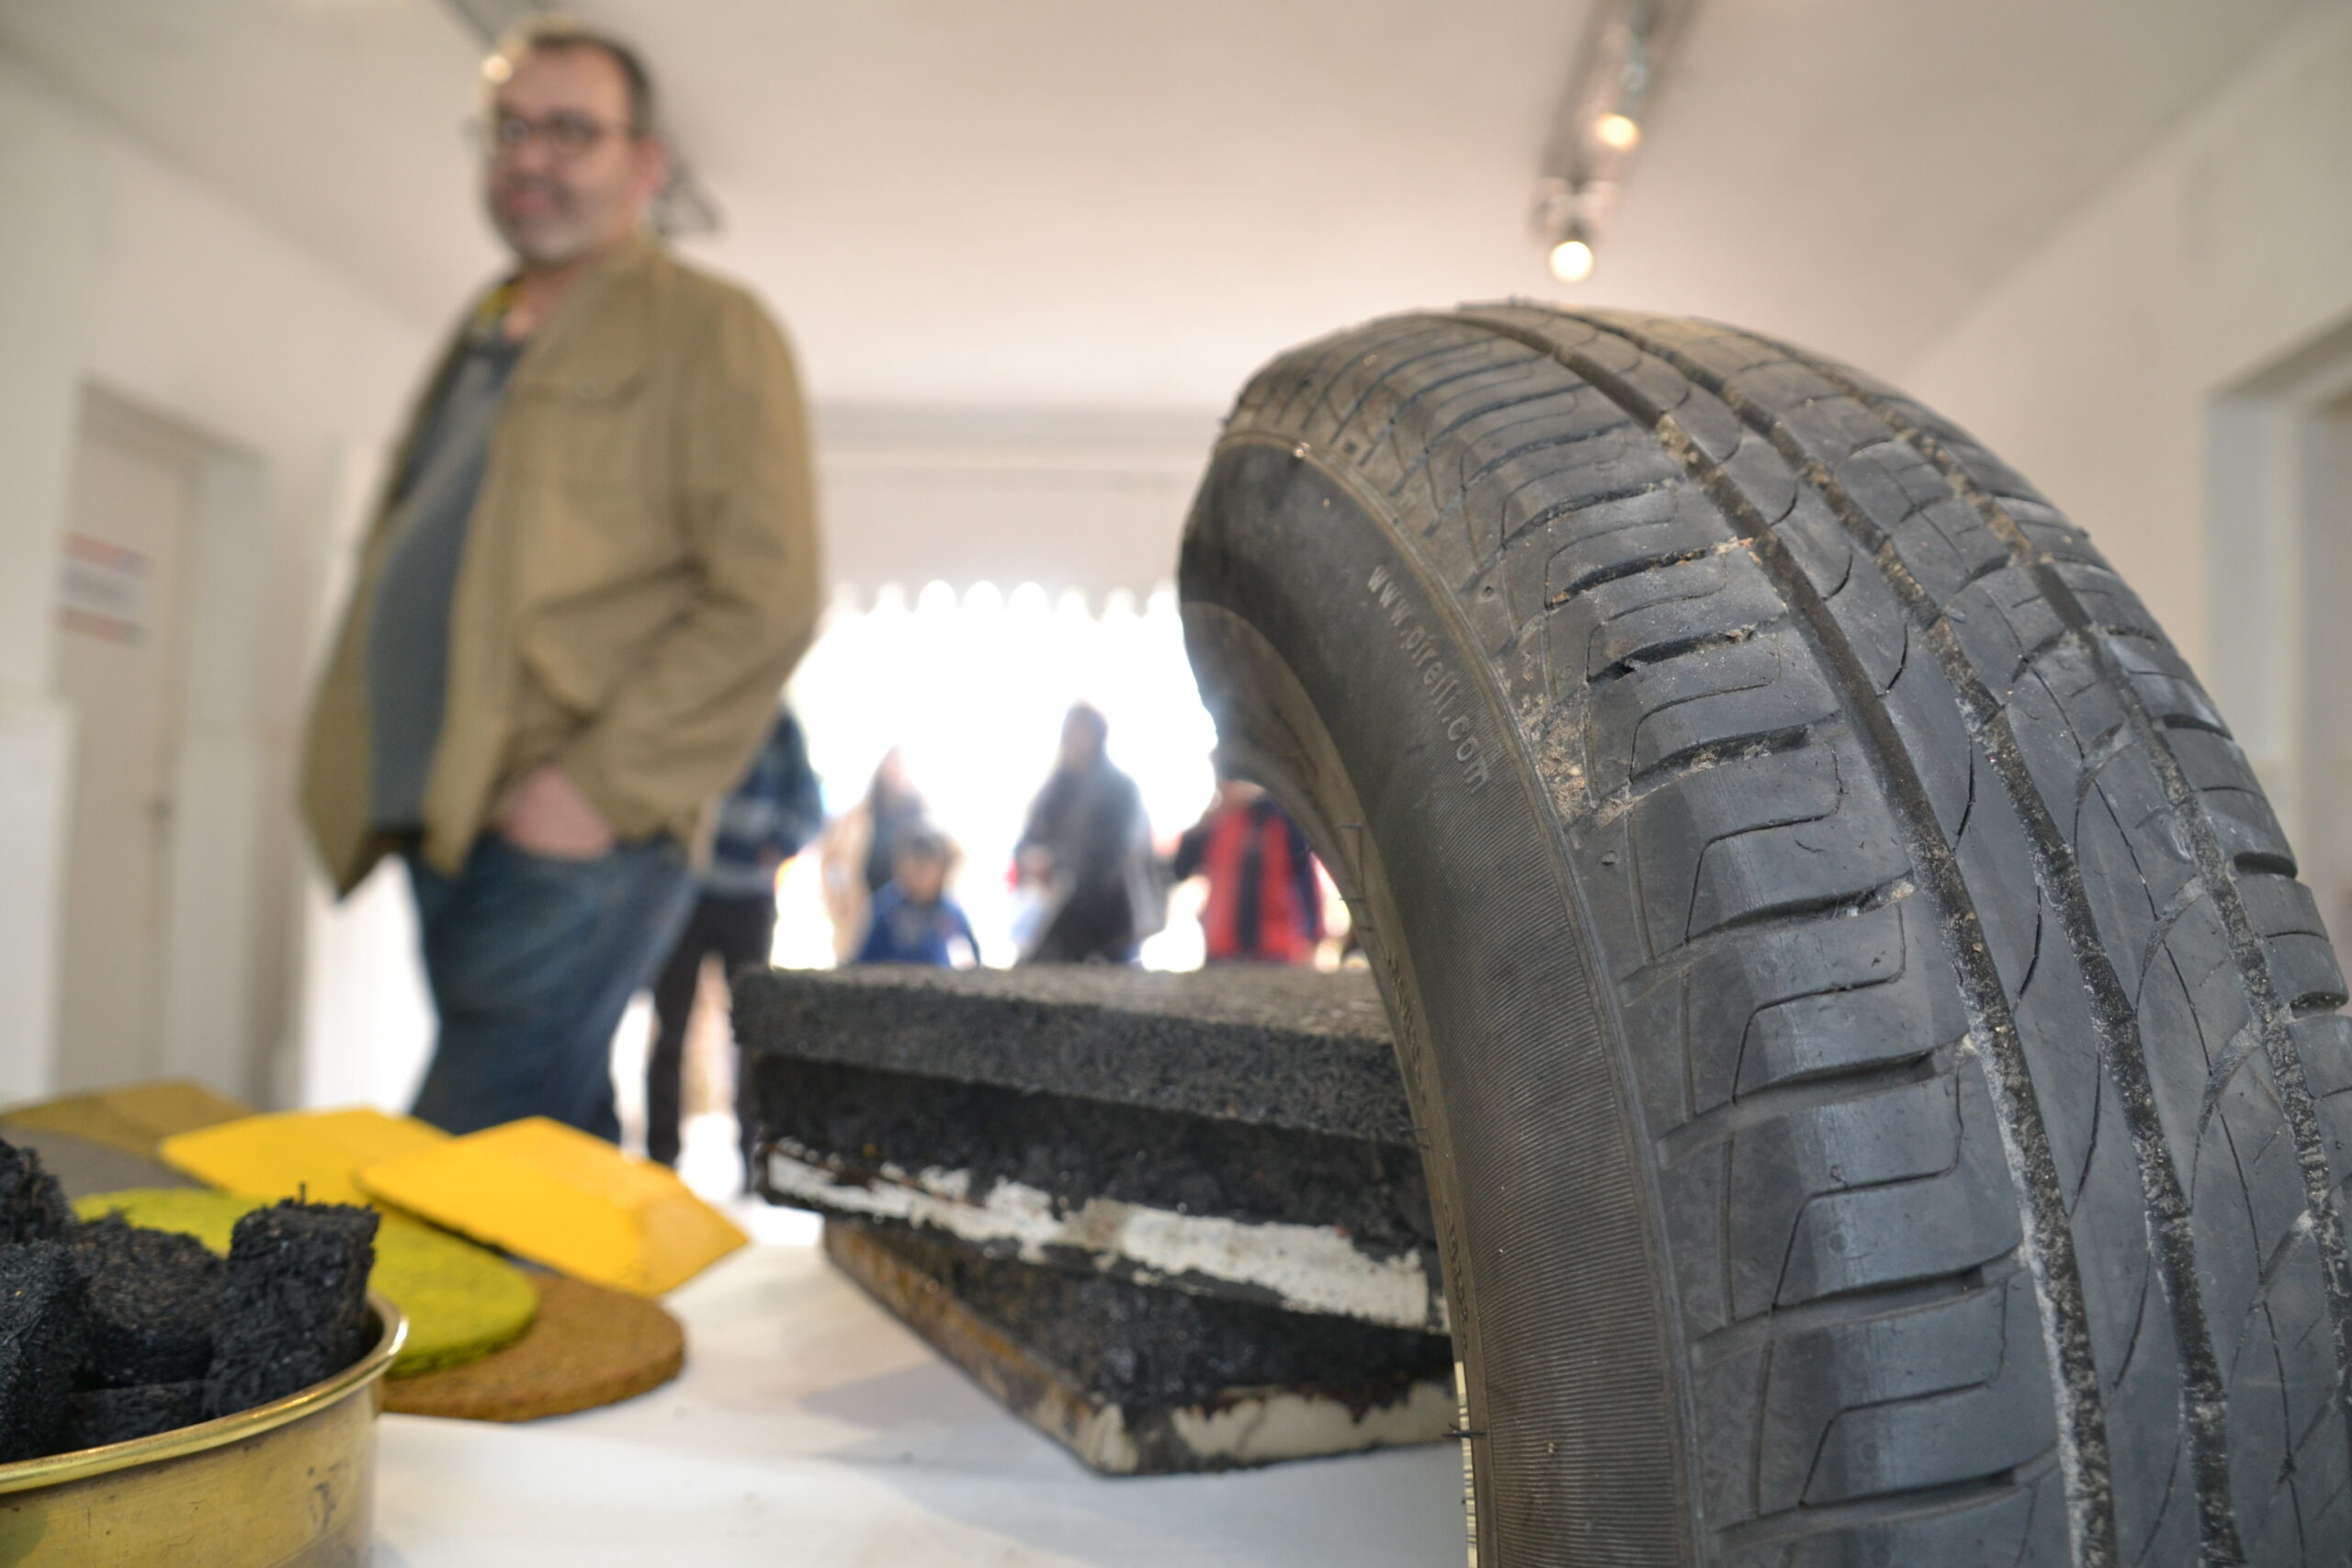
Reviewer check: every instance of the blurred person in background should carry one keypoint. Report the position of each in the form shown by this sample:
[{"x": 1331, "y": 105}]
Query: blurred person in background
[
  {"x": 593, "y": 568},
  {"x": 914, "y": 920},
  {"x": 779, "y": 807},
  {"x": 1265, "y": 901},
  {"x": 857, "y": 860},
  {"x": 1086, "y": 854}
]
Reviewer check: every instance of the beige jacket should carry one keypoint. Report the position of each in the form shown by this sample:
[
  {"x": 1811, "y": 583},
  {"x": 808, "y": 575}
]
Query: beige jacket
[{"x": 640, "y": 573}]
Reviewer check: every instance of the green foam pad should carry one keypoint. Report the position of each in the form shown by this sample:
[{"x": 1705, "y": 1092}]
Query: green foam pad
[{"x": 462, "y": 1301}]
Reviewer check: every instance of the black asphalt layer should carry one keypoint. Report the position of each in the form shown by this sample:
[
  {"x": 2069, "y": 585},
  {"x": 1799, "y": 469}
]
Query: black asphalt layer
[
  {"x": 1171, "y": 1372},
  {"x": 859, "y": 1122},
  {"x": 1270, "y": 1047}
]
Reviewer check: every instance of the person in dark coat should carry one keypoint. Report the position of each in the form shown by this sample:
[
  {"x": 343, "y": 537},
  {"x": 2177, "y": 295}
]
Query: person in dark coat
[
  {"x": 779, "y": 807},
  {"x": 1087, "y": 852}
]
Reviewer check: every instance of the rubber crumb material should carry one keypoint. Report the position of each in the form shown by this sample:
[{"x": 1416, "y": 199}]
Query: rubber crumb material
[
  {"x": 132, "y": 1117},
  {"x": 32, "y": 1205},
  {"x": 42, "y": 1309},
  {"x": 293, "y": 1303},
  {"x": 311, "y": 1155},
  {"x": 153, "y": 1299},
  {"x": 462, "y": 1301},
  {"x": 1263, "y": 1043},
  {"x": 590, "y": 1347},
  {"x": 559, "y": 1197},
  {"x": 96, "y": 1417}
]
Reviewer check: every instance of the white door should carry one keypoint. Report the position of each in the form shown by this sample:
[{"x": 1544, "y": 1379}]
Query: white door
[{"x": 131, "y": 513}]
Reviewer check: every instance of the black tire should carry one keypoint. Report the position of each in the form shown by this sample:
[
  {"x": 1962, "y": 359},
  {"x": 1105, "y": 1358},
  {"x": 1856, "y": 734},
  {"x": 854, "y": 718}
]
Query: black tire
[{"x": 1882, "y": 1087}]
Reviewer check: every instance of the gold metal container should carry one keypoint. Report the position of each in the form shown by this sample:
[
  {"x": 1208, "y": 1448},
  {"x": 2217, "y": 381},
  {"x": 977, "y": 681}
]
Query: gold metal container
[{"x": 288, "y": 1484}]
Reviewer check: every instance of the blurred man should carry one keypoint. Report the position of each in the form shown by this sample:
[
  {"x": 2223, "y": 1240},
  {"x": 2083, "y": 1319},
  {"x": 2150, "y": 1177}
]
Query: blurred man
[
  {"x": 1265, "y": 903},
  {"x": 1087, "y": 853},
  {"x": 594, "y": 569}
]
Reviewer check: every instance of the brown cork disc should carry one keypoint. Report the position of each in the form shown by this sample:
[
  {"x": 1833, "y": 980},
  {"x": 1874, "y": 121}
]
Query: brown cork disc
[{"x": 588, "y": 1347}]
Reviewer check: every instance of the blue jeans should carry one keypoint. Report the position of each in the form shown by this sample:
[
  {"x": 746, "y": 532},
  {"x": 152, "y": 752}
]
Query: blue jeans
[{"x": 532, "y": 960}]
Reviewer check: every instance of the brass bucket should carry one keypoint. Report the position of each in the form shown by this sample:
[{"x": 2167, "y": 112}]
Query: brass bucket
[{"x": 288, "y": 1484}]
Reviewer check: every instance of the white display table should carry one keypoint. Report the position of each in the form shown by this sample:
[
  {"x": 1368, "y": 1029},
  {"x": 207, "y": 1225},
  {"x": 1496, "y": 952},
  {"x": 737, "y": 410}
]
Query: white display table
[{"x": 810, "y": 1428}]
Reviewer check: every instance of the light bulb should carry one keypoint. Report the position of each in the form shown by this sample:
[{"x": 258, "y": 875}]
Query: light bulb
[
  {"x": 1572, "y": 260},
  {"x": 1617, "y": 131},
  {"x": 496, "y": 69}
]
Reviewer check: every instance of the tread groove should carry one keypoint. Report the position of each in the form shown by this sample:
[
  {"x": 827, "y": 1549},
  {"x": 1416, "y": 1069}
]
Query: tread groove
[
  {"x": 1803, "y": 1523},
  {"x": 1633, "y": 568},
  {"x": 1847, "y": 1307},
  {"x": 1681, "y": 765},
  {"x": 1835, "y": 1088}
]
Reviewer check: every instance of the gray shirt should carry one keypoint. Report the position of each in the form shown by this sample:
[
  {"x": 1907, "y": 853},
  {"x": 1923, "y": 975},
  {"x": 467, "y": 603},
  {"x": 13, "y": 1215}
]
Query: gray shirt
[{"x": 408, "y": 633}]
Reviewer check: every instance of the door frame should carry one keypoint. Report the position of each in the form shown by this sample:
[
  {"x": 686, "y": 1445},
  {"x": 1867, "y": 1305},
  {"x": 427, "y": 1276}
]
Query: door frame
[
  {"x": 206, "y": 943},
  {"x": 2263, "y": 514}
]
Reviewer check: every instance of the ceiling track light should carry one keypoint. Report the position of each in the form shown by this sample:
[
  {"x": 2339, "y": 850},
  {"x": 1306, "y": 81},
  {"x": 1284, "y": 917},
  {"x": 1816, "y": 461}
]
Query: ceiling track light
[
  {"x": 1603, "y": 119},
  {"x": 1618, "y": 131},
  {"x": 1571, "y": 256}
]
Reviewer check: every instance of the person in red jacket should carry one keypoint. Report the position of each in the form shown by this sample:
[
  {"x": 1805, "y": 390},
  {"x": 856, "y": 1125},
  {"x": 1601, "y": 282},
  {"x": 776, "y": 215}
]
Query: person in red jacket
[{"x": 1265, "y": 903}]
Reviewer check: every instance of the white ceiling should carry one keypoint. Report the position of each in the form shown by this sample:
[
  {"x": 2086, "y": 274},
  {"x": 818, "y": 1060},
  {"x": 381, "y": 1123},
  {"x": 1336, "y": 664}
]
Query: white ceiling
[{"x": 1069, "y": 202}]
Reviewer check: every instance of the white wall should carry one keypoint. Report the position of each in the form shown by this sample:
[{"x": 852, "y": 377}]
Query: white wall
[
  {"x": 117, "y": 270},
  {"x": 2097, "y": 367}
]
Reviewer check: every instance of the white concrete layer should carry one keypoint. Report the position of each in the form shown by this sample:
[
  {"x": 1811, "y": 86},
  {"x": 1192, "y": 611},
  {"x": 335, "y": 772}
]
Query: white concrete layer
[
  {"x": 811, "y": 1430},
  {"x": 1282, "y": 1426},
  {"x": 1307, "y": 1267}
]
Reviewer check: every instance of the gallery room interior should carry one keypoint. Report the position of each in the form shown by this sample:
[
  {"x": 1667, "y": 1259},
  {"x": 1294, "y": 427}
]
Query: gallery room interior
[{"x": 1040, "y": 394}]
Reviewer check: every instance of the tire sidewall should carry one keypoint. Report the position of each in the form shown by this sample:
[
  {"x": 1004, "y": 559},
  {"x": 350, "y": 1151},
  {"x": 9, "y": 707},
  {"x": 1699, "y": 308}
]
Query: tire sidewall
[{"x": 1348, "y": 681}]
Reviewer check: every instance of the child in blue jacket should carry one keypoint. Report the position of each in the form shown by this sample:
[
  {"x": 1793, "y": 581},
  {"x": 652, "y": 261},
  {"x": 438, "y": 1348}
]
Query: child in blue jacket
[{"x": 913, "y": 920}]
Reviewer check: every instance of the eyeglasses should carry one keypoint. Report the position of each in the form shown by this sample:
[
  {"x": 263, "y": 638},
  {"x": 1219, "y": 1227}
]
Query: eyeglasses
[{"x": 564, "y": 135}]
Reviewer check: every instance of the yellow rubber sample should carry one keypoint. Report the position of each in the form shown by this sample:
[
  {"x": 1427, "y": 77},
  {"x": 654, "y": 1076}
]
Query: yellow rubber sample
[
  {"x": 135, "y": 1117},
  {"x": 461, "y": 1301},
  {"x": 561, "y": 1197},
  {"x": 293, "y": 1153},
  {"x": 193, "y": 1210}
]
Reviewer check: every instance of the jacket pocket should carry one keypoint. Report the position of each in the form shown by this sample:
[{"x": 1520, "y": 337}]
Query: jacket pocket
[{"x": 590, "y": 428}]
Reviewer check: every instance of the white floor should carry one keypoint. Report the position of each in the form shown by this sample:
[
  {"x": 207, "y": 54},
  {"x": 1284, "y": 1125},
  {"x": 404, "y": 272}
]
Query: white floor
[{"x": 812, "y": 1429}]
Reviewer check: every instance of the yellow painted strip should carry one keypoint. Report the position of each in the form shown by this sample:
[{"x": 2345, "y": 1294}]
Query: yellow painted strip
[
  {"x": 296, "y": 1153},
  {"x": 559, "y": 1197}
]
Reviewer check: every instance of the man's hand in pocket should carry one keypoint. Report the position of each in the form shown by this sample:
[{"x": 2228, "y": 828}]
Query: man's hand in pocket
[{"x": 545, "y": 813}]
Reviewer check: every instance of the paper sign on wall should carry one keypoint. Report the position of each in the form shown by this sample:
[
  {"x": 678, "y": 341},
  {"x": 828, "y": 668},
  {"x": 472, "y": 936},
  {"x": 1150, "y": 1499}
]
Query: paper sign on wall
[{"x": 103, "y": 588}]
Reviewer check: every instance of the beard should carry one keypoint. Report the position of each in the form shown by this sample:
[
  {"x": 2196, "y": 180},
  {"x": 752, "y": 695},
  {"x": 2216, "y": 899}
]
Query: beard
[{"x": 561, "y": 222}]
